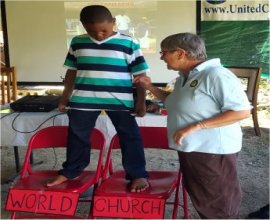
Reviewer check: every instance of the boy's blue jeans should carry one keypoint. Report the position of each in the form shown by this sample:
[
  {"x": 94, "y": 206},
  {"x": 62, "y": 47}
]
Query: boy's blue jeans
[{"x": 81, "y": 124}]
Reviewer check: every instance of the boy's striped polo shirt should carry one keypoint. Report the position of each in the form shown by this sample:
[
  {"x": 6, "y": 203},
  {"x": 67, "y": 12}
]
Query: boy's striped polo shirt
[{"x": 104, "y": 71}]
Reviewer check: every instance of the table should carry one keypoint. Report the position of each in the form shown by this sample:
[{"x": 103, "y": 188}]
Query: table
[{"x": 18, "y": 127}]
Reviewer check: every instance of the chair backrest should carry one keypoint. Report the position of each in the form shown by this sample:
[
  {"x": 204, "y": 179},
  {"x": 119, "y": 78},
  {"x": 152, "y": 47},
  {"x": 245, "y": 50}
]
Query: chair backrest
[
  {"x": 253, "y": 76},
  {"x": 153, "y": 137},
  {"x": 8, "y": 84},
  {"x": 56, "y": 136}
]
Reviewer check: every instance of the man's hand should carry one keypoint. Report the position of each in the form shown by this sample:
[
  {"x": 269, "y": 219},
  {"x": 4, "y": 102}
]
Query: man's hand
[
  {"x": 145, "y": 81},
  {"x": 180, "y": 134}
]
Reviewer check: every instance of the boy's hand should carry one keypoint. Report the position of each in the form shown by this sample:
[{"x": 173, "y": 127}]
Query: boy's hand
[
  {"x": 62, "y": 107},
  {"x": 140, "y": 110}
]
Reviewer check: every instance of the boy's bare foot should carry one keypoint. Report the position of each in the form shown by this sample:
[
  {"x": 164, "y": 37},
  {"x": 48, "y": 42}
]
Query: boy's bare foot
[
  {"x": 58, "y": 180},
  {"x": 139, "y": 185}
]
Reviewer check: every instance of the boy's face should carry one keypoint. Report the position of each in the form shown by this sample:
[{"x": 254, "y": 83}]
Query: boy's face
[{"x": 100, "y": 30}]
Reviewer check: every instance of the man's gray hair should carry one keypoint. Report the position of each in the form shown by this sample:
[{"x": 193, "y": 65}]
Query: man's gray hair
[{"x": 191, "y": 43}]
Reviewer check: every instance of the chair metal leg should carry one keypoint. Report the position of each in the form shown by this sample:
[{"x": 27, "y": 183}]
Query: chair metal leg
[
  {"x": 255, "y": 121},
  {"x": 31, "y": 158},
  {"x": 185, "y": 205},
  {"x": 17, "y": 158},
  {"x": 17, "y": 164},
  {"x": 176, "y": 200},
  {"x": 91, "y": 210},
  {"x": 185, "y": 195},
  {"x": 13, "y": 215}
]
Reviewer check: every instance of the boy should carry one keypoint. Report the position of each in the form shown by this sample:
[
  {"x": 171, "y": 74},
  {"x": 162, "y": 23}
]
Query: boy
[{"x": 99, "y": 77}]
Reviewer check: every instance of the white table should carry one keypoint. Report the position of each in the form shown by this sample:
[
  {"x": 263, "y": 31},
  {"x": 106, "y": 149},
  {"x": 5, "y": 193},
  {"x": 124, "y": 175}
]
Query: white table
[{"x": 17, "y": 128}]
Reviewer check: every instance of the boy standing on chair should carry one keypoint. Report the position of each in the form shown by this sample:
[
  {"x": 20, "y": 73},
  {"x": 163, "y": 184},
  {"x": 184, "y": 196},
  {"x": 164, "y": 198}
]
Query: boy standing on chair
[{"x": 100, "y": 66}]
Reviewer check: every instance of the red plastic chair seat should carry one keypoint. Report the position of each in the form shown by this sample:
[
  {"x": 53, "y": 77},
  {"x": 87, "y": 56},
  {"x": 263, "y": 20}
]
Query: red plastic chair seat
[
  {"x": 37, "y": 181},
  {"x": 162, "y": 184}
]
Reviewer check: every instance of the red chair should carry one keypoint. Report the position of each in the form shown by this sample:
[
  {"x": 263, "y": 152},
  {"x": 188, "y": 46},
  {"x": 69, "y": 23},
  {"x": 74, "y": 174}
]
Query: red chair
[
  {"x": 112, "y": 198},
  {"x": 29, "y": 194}
]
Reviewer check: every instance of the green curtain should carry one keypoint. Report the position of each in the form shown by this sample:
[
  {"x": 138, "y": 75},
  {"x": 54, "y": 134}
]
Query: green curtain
[{"x": 238, "y": 43}]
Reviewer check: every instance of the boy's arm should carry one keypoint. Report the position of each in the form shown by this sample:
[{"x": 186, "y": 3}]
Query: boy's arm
[
  {"x": 68, "y": 88},
  {"x": 140, "y": 108}
]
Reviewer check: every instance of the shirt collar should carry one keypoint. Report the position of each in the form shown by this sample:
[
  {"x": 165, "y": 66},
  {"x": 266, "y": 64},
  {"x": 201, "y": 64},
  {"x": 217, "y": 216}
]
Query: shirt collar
[
  {"x": 105, "y": 40},
  {"x": 212, "y": 62}
]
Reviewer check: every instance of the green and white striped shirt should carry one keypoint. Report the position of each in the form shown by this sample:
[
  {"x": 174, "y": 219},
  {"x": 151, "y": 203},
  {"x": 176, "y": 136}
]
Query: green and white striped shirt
[{"x": 104, "y": 71}]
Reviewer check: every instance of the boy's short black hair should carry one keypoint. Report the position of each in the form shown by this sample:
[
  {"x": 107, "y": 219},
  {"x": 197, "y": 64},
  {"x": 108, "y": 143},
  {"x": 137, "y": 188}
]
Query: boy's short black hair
[{"x": 95, "y": 13}]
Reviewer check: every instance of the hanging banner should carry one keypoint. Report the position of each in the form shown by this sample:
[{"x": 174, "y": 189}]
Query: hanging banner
[
  {"x": 233, "y": 10},
  {"x": 237, "y": 32}
]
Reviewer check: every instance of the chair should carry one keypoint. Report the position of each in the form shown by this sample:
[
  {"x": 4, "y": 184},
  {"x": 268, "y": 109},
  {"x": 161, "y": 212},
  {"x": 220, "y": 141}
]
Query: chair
[
  {"x": 113, "y": 198},
  {"x": 253, "y": 76},
  {"x": 29, "y": 193},
  {"x": 8, "y": 85}
]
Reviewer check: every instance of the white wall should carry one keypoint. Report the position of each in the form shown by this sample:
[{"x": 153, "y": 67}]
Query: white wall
[
  {"x": 37, "y": 37},
  {"x": 173, "y": 18}
]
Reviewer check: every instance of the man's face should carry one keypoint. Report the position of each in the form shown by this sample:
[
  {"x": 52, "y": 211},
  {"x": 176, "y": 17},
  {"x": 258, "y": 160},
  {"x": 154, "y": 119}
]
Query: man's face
[
  {"x": 170, "y": 57},
  {"x": 100, "y": 30}
]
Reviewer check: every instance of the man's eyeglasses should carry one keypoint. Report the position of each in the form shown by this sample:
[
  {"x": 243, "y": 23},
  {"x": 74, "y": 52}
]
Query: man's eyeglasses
[{"x": 163, "y": 52}]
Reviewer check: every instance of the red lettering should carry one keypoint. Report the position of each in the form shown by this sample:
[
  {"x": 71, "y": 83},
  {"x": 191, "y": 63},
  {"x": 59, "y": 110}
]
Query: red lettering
[
  {"x": 126, "y": 207},
  {"x": 158, "y": 207},
  {"x": 66, "y": 202},
  {"x": 28, "y": 201},
  {"x": 113, "y": 204},
  {"x": 143, "y": 206},
  {"x": 17, "y": 202},
  {"x": 135, "y": 204},
  {"x": 51, "y": 203},
  {"x": 41, "y": 201},
  {"x": 97, "y": 204}
]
